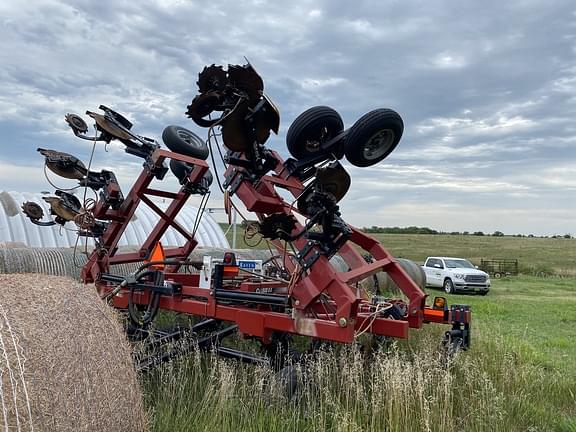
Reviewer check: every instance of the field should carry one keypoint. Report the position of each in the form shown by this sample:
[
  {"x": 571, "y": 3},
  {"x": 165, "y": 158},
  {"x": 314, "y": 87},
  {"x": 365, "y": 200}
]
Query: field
[
  {"x": 519, "y": 375},
  {"x": 534, "y": 255}
]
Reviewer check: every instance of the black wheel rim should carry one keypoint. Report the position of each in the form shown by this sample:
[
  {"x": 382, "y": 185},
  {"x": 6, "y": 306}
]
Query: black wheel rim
[
  {"x": 378, "y": 144},
  {"x": 187, "y": 138},
  {"x": 312, "y": 145}
]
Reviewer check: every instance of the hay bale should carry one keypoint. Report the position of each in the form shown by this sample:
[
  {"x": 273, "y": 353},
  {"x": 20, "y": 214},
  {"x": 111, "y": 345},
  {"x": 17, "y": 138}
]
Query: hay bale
[
  {"x": 11, "y": 207},
  {"x": 65, "y": 364},
  {"x": 65, "y": 262},
  {"x": 12, "y": 245},
  {"x": 383, "y": 282}
]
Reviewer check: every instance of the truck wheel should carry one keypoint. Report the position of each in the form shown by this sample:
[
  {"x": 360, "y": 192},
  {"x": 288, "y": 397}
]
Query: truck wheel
[
  {"x": 448, "y": 286},
  {"x": 310, "y": 129},
  {"x": 373, "y": 137},
  {"x": 497, "y": 275}
]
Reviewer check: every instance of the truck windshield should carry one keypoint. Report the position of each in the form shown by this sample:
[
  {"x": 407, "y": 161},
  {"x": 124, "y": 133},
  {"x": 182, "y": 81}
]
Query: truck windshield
[{"x": 460, "y": 263}]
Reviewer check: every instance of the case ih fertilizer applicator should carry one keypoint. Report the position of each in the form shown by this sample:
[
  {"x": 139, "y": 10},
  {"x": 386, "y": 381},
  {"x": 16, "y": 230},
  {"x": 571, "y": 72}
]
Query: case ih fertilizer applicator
[{"x": 299, "y": 291}]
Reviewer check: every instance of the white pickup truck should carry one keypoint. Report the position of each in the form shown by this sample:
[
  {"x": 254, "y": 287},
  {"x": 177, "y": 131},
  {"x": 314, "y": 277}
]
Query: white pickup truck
[{"x": 455, "y": 274}]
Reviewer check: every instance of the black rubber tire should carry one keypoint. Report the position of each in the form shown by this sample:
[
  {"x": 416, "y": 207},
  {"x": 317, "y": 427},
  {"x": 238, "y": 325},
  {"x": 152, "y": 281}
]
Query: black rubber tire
[
  {"x": 315, "y": 125},
  {"x": 179, "y": 169},
  {"x": 497, "y": 275},
  {"x": 483, "y": 293},
  {"x": 449, "y": 286},
  {"x": 363, "y": 147},
  {"x": 288, "y": 381},
  {"x": 182, "y": 169},
  {"x": 184, "y": 141}
]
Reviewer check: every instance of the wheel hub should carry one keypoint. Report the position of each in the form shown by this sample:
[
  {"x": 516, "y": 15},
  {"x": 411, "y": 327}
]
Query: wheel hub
[
  {"x": 378, "y": 144},
  {"x": 312, "y": 146},
  {"x": 187, "y": 138}
]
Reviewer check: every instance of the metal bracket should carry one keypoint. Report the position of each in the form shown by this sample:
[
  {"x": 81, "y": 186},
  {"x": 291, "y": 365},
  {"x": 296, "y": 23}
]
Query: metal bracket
[
  {"x": 306, "y": 263},
  {"x": 461, "y": 324},
  {"x": 458, "y": 313},
  {"x": 159, "y": 171}
]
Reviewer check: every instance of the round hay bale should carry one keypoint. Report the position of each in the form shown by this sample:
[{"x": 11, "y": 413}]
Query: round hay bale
[
  {"x": 382, "y": 282},
  {"x": 376, "y": 283},
  {"x": 415, "y": 272},
  {"x": 12, "y": 245},
  {"x": 65, "y": 364},
  {"x": 53, "y": 261},
  {"x": 339, "y": 264}
]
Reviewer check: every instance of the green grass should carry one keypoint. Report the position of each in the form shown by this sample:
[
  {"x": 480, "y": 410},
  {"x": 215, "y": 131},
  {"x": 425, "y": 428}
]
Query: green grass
[
  {"x": 519, "y": 375},
  {"x": 537, "y": 315},
  {"x": 534, "y": 255},
  {"x": 550, "y": 255}
]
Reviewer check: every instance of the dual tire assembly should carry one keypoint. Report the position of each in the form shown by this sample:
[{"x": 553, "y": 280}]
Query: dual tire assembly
[{"x": 371, "y": 139}]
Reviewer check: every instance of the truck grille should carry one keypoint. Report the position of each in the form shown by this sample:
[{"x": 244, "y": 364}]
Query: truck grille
[{"x": 475, "y": 278}]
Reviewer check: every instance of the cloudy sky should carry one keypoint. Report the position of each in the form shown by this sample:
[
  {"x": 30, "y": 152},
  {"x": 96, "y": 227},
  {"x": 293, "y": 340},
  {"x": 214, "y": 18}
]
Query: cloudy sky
[{"x": 486, "y": 90}]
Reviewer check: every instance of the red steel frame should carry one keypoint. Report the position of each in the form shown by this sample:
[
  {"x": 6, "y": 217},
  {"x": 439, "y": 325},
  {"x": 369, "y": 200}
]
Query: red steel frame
[{"x": 353, "y": 311}]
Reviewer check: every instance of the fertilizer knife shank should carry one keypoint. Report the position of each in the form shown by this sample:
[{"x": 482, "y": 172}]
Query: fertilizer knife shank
[{"x": 319, "y": 301}]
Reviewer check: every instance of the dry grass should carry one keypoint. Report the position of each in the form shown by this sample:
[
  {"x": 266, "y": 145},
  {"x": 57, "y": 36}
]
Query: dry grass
[
  {"x": 65, "y": 364},
  {"x": 345, "y": 390},
  {"x": 519, "y": 375}
]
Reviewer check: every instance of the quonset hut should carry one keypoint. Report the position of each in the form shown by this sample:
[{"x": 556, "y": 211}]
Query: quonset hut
[{"x": 16, "y": 229}]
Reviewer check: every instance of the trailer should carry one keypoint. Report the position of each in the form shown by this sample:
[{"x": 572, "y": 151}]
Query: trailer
[{"x": 499, "y": 267}]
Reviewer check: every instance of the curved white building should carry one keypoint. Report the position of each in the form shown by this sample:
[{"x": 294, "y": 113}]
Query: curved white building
[{"x": 17, "y": 228}]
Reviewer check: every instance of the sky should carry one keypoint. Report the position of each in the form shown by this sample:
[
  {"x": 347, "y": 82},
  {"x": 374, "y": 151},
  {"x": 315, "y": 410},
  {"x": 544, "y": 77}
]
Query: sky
[{"x": 486, "y": 91}]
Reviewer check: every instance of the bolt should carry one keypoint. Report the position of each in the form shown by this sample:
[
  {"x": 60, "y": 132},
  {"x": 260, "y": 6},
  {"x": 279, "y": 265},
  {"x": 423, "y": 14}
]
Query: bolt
[
  {"x": 297, "y": 302},
  {"x": 414, "y": 311},
  {"x": 342, "y": 322}
]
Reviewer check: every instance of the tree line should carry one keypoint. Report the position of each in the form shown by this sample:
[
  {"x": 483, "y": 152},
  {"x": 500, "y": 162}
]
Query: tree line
[{"x": 425, "y": 230}]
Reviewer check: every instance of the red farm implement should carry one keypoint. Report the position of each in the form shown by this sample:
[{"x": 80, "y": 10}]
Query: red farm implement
[{"x": 299, "y": 291}]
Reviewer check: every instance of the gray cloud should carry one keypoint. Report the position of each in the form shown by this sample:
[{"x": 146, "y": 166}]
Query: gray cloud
[{"x": 486, "y": 91}]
